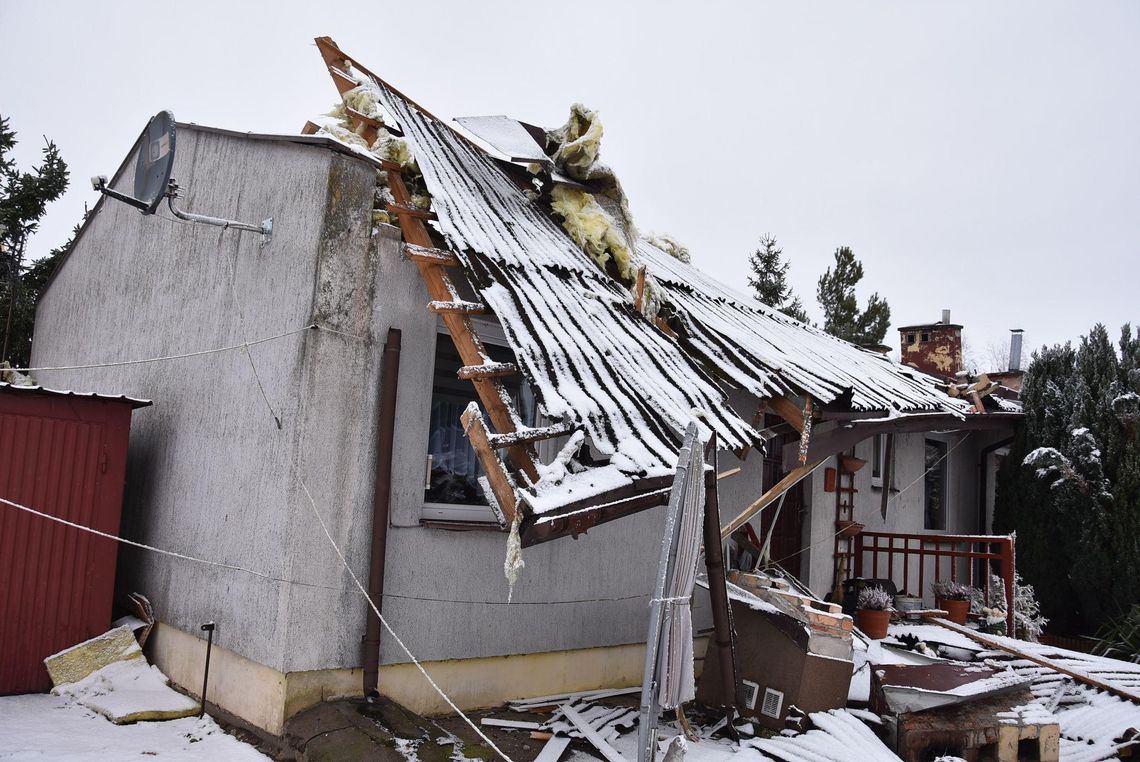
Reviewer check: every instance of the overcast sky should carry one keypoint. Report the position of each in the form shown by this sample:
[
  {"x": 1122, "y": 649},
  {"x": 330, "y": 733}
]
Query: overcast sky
[{"x": 977, "y": 156}]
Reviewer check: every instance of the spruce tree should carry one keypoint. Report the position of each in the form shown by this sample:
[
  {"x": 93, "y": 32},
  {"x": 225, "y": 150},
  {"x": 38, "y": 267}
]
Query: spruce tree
[
  {"x": 769, "y": 279},
  {"x": 841, "y": 314},
  {"x": 24, "y": 197},
  {"x": 1070, "y": 486}
]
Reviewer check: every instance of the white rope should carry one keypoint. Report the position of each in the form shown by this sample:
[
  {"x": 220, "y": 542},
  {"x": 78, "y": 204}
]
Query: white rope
[
  {"x": 672, "y": 601},
  {"x": 162, "y": 551},
  {"x": 388, "y": 627},
  {"x": 232, "y": 347}
]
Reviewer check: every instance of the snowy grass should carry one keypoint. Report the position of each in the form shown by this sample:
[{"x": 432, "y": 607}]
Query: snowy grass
[{"x": 48, "y": 728}]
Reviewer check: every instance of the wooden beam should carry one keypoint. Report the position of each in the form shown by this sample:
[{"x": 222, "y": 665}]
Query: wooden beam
[
  {"x": 467, "y": 342},
  {"x": 404, "y": 210},
  {"x": 1001, "y": 645},
  {"x": 790, "y": 480},
  {"x": 487, "y": 370},
  {"x": 463, "y": 335},
  {"x": 528, "y": 435},
  {"x": 789, "y": 411},
  {"x": 639, "y": 290},
  {"x": 456, "y": 307},
  {"x": 431, "y": 256},
  {"x": 497, "y": 476}
]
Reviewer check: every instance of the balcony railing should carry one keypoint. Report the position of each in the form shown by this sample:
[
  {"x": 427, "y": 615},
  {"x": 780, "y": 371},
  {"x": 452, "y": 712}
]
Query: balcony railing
[{"x": 913, "y": 560}]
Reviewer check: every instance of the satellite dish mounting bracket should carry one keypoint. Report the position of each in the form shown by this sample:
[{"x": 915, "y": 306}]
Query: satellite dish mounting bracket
[{"x": 265, "y": 228}]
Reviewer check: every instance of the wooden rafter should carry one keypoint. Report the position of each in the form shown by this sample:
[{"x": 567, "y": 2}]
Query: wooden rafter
[{"x": 456, "y": 314}]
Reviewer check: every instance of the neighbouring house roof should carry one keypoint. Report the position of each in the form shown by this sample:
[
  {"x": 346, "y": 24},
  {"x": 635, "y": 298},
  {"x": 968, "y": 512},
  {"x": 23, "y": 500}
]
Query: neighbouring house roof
[{"x": 39, "y": 391}]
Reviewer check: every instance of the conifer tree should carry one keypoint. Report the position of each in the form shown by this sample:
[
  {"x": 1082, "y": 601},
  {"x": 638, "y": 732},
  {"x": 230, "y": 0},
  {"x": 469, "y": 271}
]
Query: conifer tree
[
  {"x": 1070, "y": 486},
  {"x": 769, "y": 279},
  {"x": 24, "y": 197},
  {"x": 842, "y": 317}
]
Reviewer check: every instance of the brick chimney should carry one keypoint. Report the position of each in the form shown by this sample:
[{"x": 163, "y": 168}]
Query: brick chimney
[{"x": 934, "y": 348}]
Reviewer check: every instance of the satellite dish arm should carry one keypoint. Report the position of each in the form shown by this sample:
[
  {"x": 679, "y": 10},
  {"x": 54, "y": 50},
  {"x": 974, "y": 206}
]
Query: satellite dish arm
[
  {"x": 100, "y": 184},
  {"x": 265, "y": 228}
]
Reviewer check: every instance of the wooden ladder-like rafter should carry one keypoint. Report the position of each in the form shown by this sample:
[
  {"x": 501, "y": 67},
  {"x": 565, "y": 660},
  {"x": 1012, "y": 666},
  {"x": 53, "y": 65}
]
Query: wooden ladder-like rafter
[{"x": 456, "y": 313}]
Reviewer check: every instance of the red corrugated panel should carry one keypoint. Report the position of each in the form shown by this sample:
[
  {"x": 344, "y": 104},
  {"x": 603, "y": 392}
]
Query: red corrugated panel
[{"x": 65, "y": 456}]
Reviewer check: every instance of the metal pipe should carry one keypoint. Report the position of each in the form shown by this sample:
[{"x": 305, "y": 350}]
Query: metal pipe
[
  {"x": 265, "y": 228},
  {"x": 208, "y": 627},
  {"x": 381, "y": 497},
  {"x": 718, "y": 590}
]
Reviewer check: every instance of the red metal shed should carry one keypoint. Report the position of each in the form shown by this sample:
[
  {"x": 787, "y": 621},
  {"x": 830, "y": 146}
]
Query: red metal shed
[{"x": 64, "y": 454}]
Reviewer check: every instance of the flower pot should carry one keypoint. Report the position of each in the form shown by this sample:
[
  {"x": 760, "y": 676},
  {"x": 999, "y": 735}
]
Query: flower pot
[
  {"x": 873, "y": 622},
  {"x": 956, "y": 610},
  {"x": 851, "y": 464},
  {"x": 848, "y": 528}
]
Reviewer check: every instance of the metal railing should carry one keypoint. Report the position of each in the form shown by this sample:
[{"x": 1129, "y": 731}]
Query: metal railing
[{"x": 911, "y": 560}]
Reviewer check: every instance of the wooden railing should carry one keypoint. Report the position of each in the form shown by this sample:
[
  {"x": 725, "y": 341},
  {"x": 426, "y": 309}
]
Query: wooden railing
[{"x": 912, "y": 561}]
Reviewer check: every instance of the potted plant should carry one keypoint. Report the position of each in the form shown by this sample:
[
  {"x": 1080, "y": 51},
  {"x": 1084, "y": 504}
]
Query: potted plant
[
  {"x": 954, "y": 598},
  {"x": 873, "y": 612}
]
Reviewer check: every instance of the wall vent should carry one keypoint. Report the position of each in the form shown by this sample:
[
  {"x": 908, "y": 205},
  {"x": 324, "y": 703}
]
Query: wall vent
[
  {"x": 773, "y": 703},
  {"x": 749, "y": 691}
]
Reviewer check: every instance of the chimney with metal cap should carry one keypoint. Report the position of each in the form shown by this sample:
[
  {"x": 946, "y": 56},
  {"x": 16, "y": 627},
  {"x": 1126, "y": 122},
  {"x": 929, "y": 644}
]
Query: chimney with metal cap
[{"x": 1015, "y": 349}]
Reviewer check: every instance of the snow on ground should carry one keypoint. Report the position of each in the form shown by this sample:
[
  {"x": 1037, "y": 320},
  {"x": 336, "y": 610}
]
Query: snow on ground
[{"x": 47, "y": 728}]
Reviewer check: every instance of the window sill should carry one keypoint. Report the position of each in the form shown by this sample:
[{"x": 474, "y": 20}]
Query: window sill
[{"x": 457, "y": 525}]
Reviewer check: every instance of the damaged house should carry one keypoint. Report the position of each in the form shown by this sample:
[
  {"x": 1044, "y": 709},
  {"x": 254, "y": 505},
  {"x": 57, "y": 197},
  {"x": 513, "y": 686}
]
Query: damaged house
[{"x": 454, "y": 353}]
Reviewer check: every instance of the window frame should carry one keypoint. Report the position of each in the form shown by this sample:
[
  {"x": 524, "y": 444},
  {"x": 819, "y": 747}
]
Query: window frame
[
  {"x": 944, "y": 467},
  {"x": 492, "y": 334}
]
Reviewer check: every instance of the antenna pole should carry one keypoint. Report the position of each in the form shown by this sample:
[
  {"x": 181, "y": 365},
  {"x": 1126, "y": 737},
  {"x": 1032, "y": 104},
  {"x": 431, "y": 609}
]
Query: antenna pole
[{"x": 265, "y": 228}]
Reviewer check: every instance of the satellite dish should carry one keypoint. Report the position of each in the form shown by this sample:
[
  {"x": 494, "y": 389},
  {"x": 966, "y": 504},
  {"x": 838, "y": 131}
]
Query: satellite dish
[
  {"x": 153, "y": 182},
  {"x": 156, "y": 159}
]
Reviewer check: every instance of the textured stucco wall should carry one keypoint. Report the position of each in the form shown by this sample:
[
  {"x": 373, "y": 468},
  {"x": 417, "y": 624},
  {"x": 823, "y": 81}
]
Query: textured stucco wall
[{"x": 210, "y": 473}]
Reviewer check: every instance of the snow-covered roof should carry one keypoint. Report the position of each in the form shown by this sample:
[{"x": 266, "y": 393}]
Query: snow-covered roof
[
  {"x": 769, "y": 353},
  {"x": 591, "y": 358}
]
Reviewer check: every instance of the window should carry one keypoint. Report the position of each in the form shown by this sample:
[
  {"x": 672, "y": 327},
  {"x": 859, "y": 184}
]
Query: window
[
  {"x": 925, "y": 336},
  {"x": 910, "y": 338},
  {"x": 935, "y": 484},
  {"x": 878, "y": 458},
  {"x": 452, "y": 490}
]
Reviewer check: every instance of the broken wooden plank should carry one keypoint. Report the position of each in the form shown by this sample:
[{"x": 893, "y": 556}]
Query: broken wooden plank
[
  {"x": 560, "y": 698},
  {"x": 403, "y": 210},
  {"x": 456, "y": 306},
  {"x": 639, "y": 289},
  {"x": 790, "y": 480},
  {"x": 430, "y": 256},
  {"x": 553, "y": 749},
  {"x": 789, "y": 411},
  {"x": 501, "y": 484},
  {"x": 310, "y": 128},
  {"x": 1040, "y": 660},
  {"x": 495, "y": 722},
  {"x": 609, "y": 752},
  {"x": 728, "y": 473},
  {"x": 526, "y": 435},
  {"x": 487, "y": 370}
]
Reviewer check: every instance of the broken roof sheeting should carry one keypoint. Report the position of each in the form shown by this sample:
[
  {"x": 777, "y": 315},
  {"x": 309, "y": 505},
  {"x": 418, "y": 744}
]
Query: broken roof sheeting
[
  {"x": 590, "y": 357},
  {"x": 768, "y": 353}
]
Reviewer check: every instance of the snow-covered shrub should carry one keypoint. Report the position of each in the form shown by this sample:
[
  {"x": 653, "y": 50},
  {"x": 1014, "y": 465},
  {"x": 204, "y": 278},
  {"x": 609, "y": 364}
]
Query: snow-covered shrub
[
  {"x": 949, "y": 590},
  {"x": 874, "y": 598},
  {"x": 1027, "y": 617}
]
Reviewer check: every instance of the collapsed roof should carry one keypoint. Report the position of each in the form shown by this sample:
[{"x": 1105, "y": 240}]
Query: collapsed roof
[{"x": 628, "y": 380}]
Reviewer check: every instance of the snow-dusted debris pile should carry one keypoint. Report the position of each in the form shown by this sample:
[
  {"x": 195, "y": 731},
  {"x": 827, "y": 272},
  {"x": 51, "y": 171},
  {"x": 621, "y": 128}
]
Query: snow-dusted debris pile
[
  {"x": 768, "y": 353},
  {"x": 1094, "y": 724},
  {"x": 577, "y": 338}
]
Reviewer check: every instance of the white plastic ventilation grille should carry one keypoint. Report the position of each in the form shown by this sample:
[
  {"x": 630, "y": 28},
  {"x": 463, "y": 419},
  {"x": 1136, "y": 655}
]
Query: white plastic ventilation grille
[
  {"x": 773, "y": 703},
  {"x": 751, "y": 691}
]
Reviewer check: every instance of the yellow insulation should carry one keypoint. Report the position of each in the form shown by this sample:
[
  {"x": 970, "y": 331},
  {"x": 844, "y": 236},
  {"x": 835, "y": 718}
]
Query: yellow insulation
[{"x": 591, "y": 227}]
